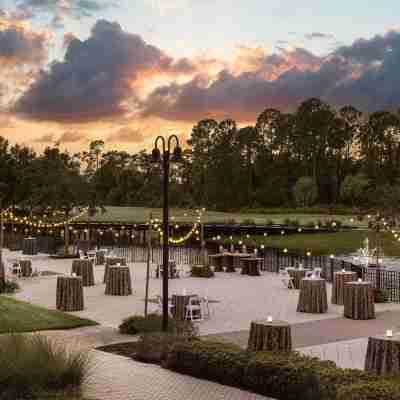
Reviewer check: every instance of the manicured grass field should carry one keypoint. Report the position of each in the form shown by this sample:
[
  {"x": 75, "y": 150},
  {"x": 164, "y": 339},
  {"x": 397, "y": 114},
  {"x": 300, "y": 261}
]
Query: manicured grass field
[
  {"x": 337, "y": 243},
  {"x": 18, "y": 316},
  {"x": 142, "y": 214}
]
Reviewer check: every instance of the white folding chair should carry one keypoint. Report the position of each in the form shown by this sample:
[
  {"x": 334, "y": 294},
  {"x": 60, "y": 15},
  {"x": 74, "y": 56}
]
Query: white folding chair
[
  {"x": 286, "y": 279},
  {"x": 193, "y": 309},
  {"x": 81, "y": 255},
  {"x": 317, "y": 272},
  {"x": 205, "y": 308},
  {"x": 160, "y": 306},
  {"x": 16, "y": 269}
]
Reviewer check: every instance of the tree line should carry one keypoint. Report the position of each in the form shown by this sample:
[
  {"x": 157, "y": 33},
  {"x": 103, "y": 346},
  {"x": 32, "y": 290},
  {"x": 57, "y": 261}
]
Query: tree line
[{"x": 315, "y": 155}]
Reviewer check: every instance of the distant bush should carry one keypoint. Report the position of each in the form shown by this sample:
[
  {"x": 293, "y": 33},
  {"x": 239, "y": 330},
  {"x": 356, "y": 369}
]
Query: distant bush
[
  {"x": 249, "y": 221},
  {"x": 269, "y": 222},
  {"x": 31, "y": 366}
]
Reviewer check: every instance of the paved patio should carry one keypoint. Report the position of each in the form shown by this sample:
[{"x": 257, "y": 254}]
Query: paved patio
[{"x": 238, "y": 300}]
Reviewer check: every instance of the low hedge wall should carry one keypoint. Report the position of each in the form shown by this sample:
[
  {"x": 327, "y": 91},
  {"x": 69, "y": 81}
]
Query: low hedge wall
[{"x": 284, "y": 376}]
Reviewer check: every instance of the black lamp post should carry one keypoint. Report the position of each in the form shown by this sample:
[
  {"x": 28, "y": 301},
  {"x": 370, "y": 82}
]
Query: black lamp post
[{"x": 166, "y": 158}]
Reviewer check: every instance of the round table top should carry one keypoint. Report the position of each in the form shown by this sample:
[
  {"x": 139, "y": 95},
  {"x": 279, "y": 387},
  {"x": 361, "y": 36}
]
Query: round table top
[
  {"x": 252, "y": 259},
  {"x": 273, "y": 323},
  {"x": 70, "y": 277},
  {"x": 118, "y": 266},
  {"x": 30, "y": 238},
  {"x": 184, "y": 295},
  {"x": 394, "y": 338},
  {"x": 298, "y": 269},
  {"x": 313, "y": 279},
  {"x": 236, "y": 254},
  {"x": 345, "y": 273},
  {"x": 356, "y": 283}
]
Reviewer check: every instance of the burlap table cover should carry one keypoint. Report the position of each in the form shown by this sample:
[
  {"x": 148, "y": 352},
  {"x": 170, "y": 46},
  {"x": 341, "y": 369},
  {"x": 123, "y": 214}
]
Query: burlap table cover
[
  {"x": 231, "y": 261},
  {"x": 84, "y": 268},
  {"x": 112, "y": 261},
  {"x": 26, "y": 267},
  {"x": 359, "y": 300},
  {"x": 69, "y": 293},
  {"x": 180, "y": 301},
  {"x": 312, "y": 296},
  {"x": 172, "y": 270},
  {"x": 383, "y": 355},
  {"x": 251, "y": 266},
  {"x": 297, "y": 275},
  {"x": 339, "y": 279},
  {"x": 118, "y": 281},
  {"x": 269, "y": 336},
  {"x": 100, "y": 257},
  {"x": 216, "y": 261},
  {"x": 29, "y": 246}
]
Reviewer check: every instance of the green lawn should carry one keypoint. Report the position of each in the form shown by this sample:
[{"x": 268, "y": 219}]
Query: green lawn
[
  {"x": 18, "y": 316},
  {"x": 337, "y": 243},
  {"x": 141, "y": 214}
]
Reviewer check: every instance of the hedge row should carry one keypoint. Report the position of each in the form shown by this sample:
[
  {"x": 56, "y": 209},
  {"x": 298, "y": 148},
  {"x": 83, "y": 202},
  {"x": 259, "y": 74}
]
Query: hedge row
[{"x": 285, "y": 376}]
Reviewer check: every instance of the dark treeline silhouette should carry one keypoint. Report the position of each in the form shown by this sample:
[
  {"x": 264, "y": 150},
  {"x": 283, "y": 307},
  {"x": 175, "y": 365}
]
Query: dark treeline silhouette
[{"x": 316, "y": 155}]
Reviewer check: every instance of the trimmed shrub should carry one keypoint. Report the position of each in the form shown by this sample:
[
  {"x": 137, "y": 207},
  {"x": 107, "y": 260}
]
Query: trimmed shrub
[
  {"x": 376, "y": 389},
  {"x": 381, "y": 296},
  {"x": 153, "y": 323},
  {"x": 202, "y": 271},
  {"x": 220, "y": 362},
  {"x": 288, "y": 376},
  {"x": 32, "y": 365},
  {"x": 140, "y": 324},
  {"x": 9, "y": 287},
  {"x": 156, "y": 346}
]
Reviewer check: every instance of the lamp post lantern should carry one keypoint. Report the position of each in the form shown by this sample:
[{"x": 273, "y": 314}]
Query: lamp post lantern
[{"x": 166, "y": 157}]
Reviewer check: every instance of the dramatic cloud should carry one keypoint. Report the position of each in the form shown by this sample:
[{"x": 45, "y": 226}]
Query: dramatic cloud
[
  {"x": 46, "y": 138},
  {"x": 364, "y": 74},
  {"x": 20, "y": 46},
  {"x": 71, "y": 137},
  {"x": 126, "y": 135},
  {"x": 59, "y": 9},
  {"x": 97, "y": 78}
]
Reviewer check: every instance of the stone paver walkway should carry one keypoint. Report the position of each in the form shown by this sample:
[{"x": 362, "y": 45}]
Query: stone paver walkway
[
  {"x": 326, "y": 331},
  {"x": 119, "y": 378}
]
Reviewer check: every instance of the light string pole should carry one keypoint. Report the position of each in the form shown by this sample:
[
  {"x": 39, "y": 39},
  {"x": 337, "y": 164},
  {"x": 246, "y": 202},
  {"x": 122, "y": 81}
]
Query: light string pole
[{"x": 166, "y": 158}]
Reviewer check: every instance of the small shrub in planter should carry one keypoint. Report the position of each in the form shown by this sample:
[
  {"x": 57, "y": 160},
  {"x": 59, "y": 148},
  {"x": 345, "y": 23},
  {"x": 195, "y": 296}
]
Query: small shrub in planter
[
  {"x": 381, "y": 296},
  {"x": 153, "y": 323},
  {"x": 140, "y": 324},
  {"x": 200, "y": 271}
]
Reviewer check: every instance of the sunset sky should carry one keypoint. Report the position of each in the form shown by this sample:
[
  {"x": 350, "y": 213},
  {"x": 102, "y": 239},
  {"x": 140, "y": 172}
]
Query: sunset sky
[{"x": 127, "y": 70}]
